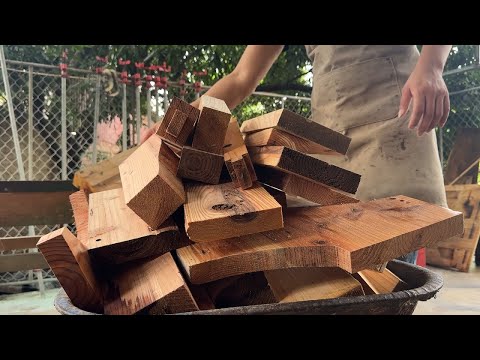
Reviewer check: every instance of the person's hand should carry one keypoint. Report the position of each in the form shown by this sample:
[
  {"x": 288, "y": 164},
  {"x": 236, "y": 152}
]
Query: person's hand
[
  {"x": 150, "y": 132},
  {"x": 431, "y": 103}
]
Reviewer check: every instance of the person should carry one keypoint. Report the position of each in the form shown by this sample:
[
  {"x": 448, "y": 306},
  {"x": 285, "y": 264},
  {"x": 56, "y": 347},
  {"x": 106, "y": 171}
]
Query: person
[{"x": 386, "y": 98}]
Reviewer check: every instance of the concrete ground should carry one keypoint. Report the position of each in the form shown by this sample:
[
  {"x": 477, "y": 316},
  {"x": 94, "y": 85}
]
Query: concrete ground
[{"x": 460, "y": 296}]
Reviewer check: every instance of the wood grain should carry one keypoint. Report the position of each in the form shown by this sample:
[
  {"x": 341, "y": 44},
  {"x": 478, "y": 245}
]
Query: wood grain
[
  {"x": 457, "y": 252},
  {"x": 276, "y": 137},
  {"x": 308, "y": 189},
  {"x": 69, "y": 260},
  {"x": 117, "y": 235},
  {"x": 200, "y": 165},
  {"x": 179, "y": 120},
  {"x": 304, "y": 284},
  {"x": 103, "y": 175},
  {"x": 374, "y": 282},
  {"x": 294, "y": 162},
  {"x": 237, "y": 158},
  {"x": 150, "y": 286},
  {"x": 212, "y": 125},
  {"x": 214, "y": 212},
  {"x": 277, "y": 194},
  {"x": 150, "y": 186},
  {"x": 297, "y": 125},
  {"x": 79, "y": 202},
  {"x": 350, "y": 236}
]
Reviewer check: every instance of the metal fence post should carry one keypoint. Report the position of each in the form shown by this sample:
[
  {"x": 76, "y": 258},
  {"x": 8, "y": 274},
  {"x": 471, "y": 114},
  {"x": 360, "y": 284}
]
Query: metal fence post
[
  {"x": 440, "y": 145},
  {"x": 11, "y": 112},
  {"x": 149, "y": 106},
  {"x": 139, "y": 119},
  {"x": 124, "y": 117},
  {"x": 30, "y": 122},
  {"x": 157, "y": 104},
  {"x": 165, "y": 100},
  {"x": 64, "y": 128},
  {"x": 96, "y": 118}
]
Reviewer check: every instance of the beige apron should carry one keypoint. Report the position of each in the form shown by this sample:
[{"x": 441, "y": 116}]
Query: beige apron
[{"x": 356, "y": 91}]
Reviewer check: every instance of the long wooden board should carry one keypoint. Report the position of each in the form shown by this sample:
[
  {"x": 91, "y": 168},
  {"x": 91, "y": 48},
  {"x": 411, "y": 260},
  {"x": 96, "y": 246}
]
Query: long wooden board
[
  {"x": 69, "y": 260},
  {"x": 294, "y": 162},
  {"x": 103, "y": 175},
  {"x": 214, "y": 212},
  {"x": 212, "y": 125},
  {"x": 308, "y": 189},
  {"x": 22, "y": 262},
  {"x": 297, "y": 125},
  {"x": 304, "y": 284},
  {"x": 153, "y": 286},
  {"x": 79, "y": 201},
  {"x": 276, "y": 137},
  {"x": 385, "y": 282},
  {"x": 150, "y": 186},
  {"x": 457, "y": 252},
  {"x": 237, "y": 158},
  {"x": 117, "y": 235},
  {"x": 350, "y": 236}
]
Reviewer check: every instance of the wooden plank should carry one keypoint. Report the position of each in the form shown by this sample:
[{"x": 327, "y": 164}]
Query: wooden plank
[
  {"x": 179, "y": 120},
  {"x": 212, "y": 125},
  {"x": 200, "y": 165},
  {"x": 308, "y": 189},
  {"x": 304, "y": 284},
  {"x": 79, "y": 202},
  {"x": 297, "y": 125},
  {"x": 102, "y": 176},
  {"x": 465, "y": 151},
  {"x": 214, "y": 212},
  {"x": 22, "y": 262},
  {"x": 69, "y": 260},
  {"x": 150, "y": 186},
  {"x": 374, "y": 282},
  {"x": 457, "y": 252},
  {"x": 117, "y": 235},
  {"x": 350, "y": 236},
  {"x": 294, "y": 162},
  {"x": 23, "y": 208},
  {"x": 20, "y": 242},
  {"x": 237, "y": 158},
  {"x": 277, "y": 194},
  {"x": 276, "y": 137},
  {"x": 153, "y": 286}
]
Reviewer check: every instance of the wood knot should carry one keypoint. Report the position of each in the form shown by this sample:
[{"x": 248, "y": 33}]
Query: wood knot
[
  {"x": 221, "y": 207},
  {"x": 319, "y": 242}
]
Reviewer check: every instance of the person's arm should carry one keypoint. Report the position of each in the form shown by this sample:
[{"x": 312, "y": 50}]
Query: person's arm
[
  {"x": 427, "y": 89},
  {"x": 242, "y": 81}
]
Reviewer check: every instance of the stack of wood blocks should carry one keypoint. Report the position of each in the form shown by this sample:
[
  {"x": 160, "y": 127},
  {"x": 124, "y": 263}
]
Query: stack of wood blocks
[{"x": 199, "y": 220}]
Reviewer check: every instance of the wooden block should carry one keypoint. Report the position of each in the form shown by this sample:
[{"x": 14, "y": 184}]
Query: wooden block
[
  {"x": 297, "y": 125},
  {"x": 103, "y": 175},
  {"x": 375, "y": 282},
  {"x": 153, "y": 286},
  {"x": 212, "y": 125},
  {"x": 200, "y": 165},
  {"x": 457, "y": 252},
  {"x": 69, "y": 260},
  {"x": 178, "y": 122},
  {"x": 308, "y": 189},
  {"x": 150, "y": 186},
  {"x": 294, "y": 162},
  {"x": 350, "y": 236},
  {"x": 118, "y": 235},
  {"x": 304, "y": 284},
  {"x": 277, "y": 194},
  {"x": 237, "y": 159},
  {"x": 214, "y": 212},
  {"x": 79, "y": 201},
  {"x": 276, "y": 137},
  {"x": 35, "y": 203}
]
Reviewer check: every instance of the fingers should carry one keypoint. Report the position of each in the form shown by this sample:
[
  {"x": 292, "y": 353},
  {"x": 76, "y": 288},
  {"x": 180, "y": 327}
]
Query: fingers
[
  {"x": 446, "y": 111},
  {"x": 417, "y": 111},
  {"x": 438, "y": 113},
  {"x": 405, "y": 100},
  {"x": 428, "y": 115}
]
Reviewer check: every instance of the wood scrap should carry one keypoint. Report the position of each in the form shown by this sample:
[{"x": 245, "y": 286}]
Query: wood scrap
[
  {"x": 150, "y": 186},
  {"x": 277, "y": 194},
  {"x": 149, "y": 286},
  {"x": 237, "y": 159},
  {"x": 79, "y": 201},
  {"x": 374, "y": 282},
  {"x": 214, "y": 212},
  {"x": 117, "y": 235},
  {"x": 349, "y": 236},
  {"x": 212, "y": 125},
  {"x": 69, "y": 260},
  {"x": 297, "y": 125},
  {"x": 200, "y": 165}
]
